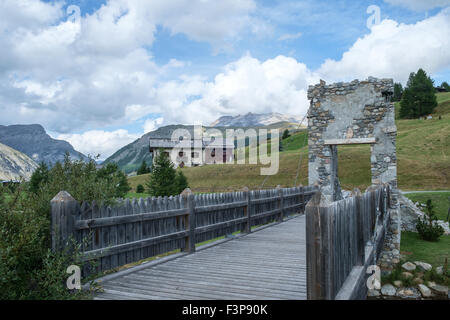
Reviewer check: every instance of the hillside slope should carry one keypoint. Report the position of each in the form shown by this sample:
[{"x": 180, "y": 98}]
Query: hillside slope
[
  {"x": 15, "y": 165},
  {"x": 423, "y": 151},
  {"x": 33, "y": 141}
]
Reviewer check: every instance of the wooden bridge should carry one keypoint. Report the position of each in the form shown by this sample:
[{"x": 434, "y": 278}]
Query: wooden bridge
[
  {"x": 275, "y": 246},
  {"x": 267, "y": 264}
]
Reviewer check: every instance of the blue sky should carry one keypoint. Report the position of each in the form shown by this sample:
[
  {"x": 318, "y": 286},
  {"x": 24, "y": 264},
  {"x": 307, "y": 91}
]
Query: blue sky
[{"x": 128, "y": 66}]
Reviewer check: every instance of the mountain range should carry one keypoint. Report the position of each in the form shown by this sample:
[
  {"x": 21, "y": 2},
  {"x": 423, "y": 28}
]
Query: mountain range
[
  {"x": 130, "y": 157},
  {"x": 33, "y": 141},
  {"x": 254, "y": 119},
  {"x": 15, "y": 165}
]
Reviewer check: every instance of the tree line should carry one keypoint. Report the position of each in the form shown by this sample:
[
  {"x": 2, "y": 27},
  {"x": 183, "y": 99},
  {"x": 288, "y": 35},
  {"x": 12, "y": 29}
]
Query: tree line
[{"x": 418, "y": 98}]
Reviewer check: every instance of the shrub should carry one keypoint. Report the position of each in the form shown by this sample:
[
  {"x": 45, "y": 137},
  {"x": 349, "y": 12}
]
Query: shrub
[
  {"x": 28, "y": 267},
  {"x": 285, "y": 134},
  {"x": 426, "y": 226},
  {"x": 112, "y": 175},
  {"x": 140, "y": 188},
  {"x": 181, "y": 182}
]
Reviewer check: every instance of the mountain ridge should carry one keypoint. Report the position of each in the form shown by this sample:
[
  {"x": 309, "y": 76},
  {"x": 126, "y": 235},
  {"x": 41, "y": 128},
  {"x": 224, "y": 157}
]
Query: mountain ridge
[
  {"x": 14, "y": 165},
  {"x": 33, "y": 141},
  {"x": 254, "y": 119}
]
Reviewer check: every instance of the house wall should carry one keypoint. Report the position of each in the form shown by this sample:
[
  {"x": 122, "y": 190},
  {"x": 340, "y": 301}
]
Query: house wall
[{"x": 207, "y": 156}]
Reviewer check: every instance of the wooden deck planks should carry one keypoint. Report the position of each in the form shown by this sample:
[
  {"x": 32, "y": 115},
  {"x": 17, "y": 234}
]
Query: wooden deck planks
[{"x": 268, "y": 264}]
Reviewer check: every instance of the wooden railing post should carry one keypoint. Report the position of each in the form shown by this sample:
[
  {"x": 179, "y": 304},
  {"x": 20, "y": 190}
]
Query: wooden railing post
[
  {"x": 63, "y": 210},
  {"x": 303, "y": 198},
  {"x": 247, "y": 212},
  {"x": 190, "y": 221},
  {"x": 360, "y": 259},
  {"x": 318, "y": 250},
  {"x": 280, "y": 203}
]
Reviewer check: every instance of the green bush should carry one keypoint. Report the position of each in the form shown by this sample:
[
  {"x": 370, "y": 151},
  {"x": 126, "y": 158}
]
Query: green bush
[
  {"x": 28, "y": 267},
  {"x": 181, "y": 182},
  {"x": 140, "y": 188},
  {"x": 426, "y": 226}
]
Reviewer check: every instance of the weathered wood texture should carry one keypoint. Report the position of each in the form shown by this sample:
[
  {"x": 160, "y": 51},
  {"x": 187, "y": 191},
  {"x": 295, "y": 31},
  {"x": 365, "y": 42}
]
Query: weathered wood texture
[
  {"x": 132, "y": 230},
  {"x": 268, "y": 264},
  {"x": 338, "y": 236}
]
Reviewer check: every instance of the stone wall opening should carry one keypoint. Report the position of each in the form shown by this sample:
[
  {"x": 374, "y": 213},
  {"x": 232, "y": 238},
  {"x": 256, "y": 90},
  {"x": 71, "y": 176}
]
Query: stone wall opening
[{"x": 354, "y": 167}]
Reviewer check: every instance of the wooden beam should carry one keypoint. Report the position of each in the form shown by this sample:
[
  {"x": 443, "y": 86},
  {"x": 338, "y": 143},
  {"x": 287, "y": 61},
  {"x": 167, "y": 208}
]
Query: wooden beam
[{"x": 349, "y": 141}]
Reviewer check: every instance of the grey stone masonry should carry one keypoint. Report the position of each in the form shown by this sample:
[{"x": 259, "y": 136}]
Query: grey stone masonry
[
  {"x": 357, "y": 112},
  {"x": 351, "y": 113}
]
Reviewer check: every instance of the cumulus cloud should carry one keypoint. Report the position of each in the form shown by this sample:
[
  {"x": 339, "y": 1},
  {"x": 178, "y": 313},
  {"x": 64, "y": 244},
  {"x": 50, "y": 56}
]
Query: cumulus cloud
[
  {"x": 420, "y": 5},
  {"x": 394, "y": 50},
  {"x": 152, "y": 124},
  {"x": 98, "y": 68},
  {"x": 249, "y": 85},
  {"x": 100, "y": 142},
  {"x": 72, "y": 76}
]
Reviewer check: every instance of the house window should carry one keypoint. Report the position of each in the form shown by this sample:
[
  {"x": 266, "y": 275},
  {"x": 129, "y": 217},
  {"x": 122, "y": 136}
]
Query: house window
[{"x": 181, "y": 154}]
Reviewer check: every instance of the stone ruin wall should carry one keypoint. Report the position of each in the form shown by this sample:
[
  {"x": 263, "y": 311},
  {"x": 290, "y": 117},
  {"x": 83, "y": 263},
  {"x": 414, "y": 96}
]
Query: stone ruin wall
[{"x": 352, "y": 113}]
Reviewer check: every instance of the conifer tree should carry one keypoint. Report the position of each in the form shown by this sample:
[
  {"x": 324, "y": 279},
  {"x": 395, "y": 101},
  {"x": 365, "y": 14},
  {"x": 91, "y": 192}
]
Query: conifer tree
[
  {"x": 419, "y": 98},
  {"x": 164, "y": 179}
]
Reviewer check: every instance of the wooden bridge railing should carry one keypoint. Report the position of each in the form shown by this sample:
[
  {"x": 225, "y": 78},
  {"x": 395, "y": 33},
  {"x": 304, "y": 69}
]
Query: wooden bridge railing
[
  {"x": 343, "y": 238},
  {"x": 133, "y": 230}
]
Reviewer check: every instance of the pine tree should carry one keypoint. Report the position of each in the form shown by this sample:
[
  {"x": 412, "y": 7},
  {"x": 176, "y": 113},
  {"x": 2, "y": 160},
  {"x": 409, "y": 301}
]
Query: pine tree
[
  {"x": 398, "y": 92},
  {"x": 164, "y": 180},
  {"x": 181, "y": 182},
  {"x": 446, "y": 86},
  {"x": 143, "y": 169},
  {"x": 40, "y": 175},
  {"x": 419, "y": 98},
  {"x": 112, "y": 172},
  {"x": 286, "y": 134}
]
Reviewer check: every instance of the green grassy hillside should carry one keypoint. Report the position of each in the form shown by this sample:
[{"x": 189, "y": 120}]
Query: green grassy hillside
[{"x": 423, "y": 151}]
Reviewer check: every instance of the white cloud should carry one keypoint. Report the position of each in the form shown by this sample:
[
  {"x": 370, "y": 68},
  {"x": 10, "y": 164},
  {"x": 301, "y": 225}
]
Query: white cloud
[
  {"x": 249, "y": 85},
  {"x": 420, "y": 5},
  {"x": 74, "y": 75},
  {"x": 99, "y": 142},
  {"x": 290, "y": 36},
  {"x": 152, "y": 124},
  {"x": 16, "y": 14},
  {"x": 394, "y": 50}
]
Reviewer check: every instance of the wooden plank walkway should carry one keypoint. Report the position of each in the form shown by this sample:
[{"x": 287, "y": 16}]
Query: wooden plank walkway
[{"x": 268, "y": 264}]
